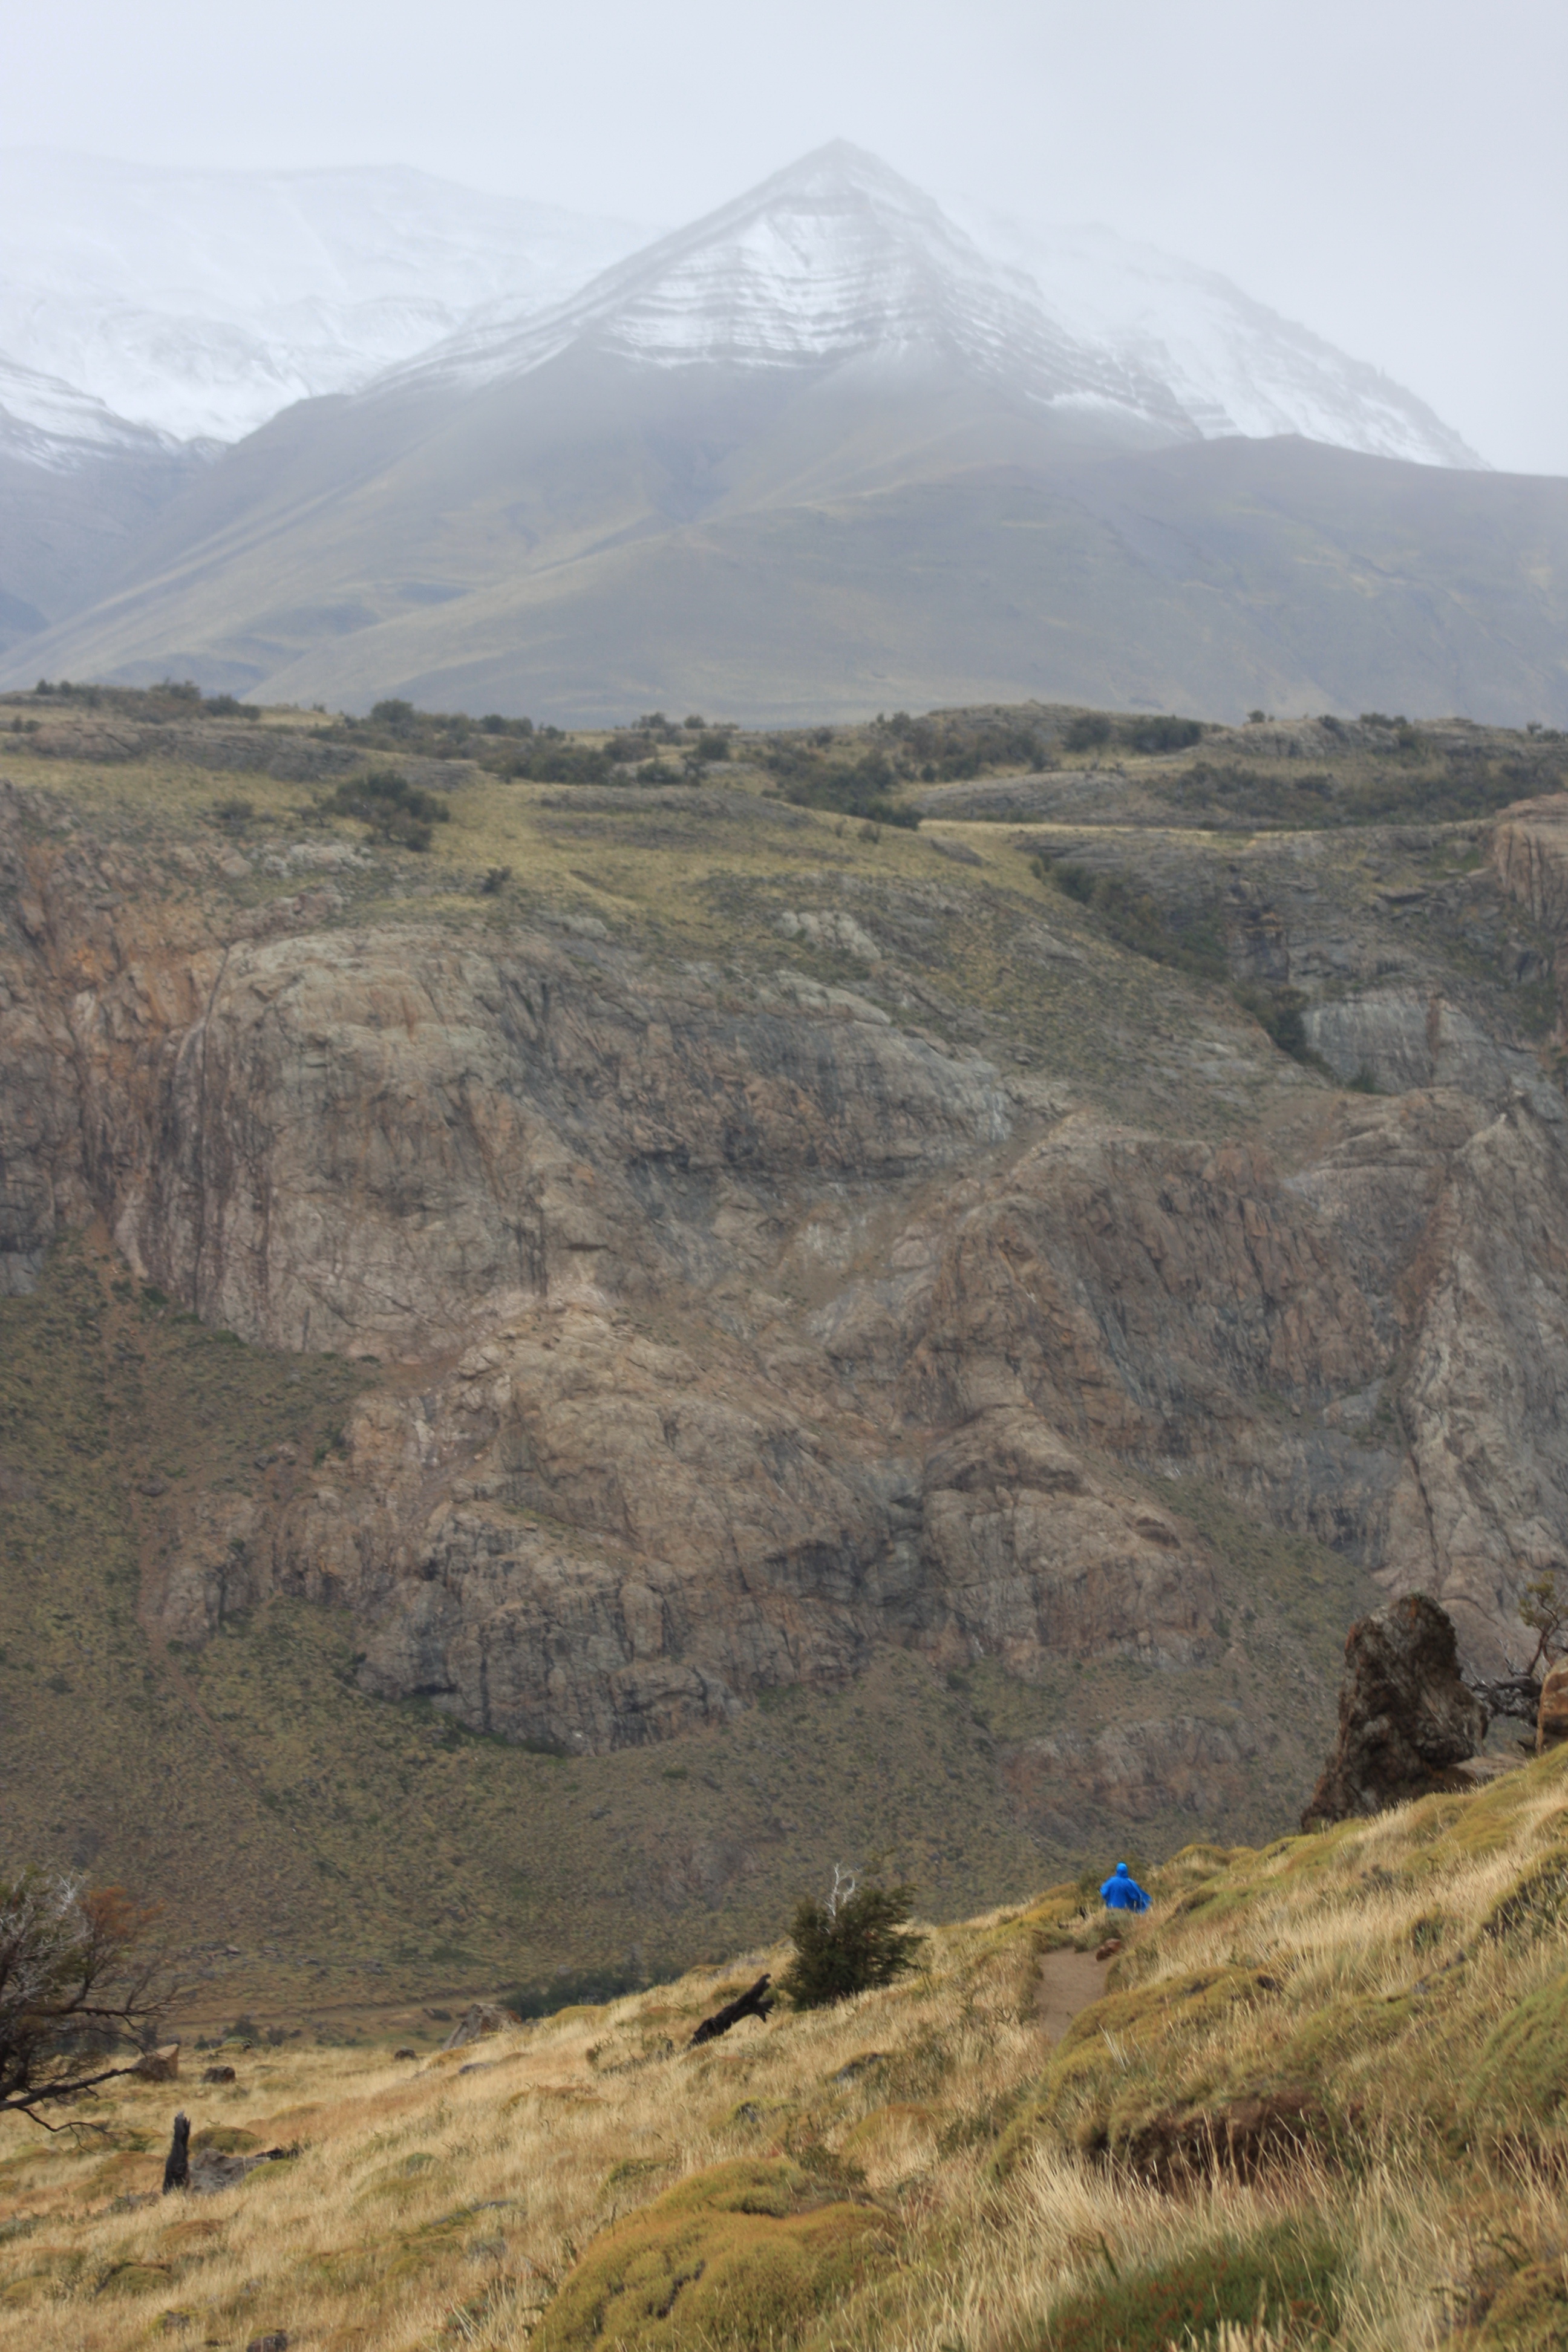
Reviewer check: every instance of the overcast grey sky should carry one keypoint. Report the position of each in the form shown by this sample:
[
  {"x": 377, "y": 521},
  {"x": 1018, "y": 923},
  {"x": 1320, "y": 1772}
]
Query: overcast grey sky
[{"x": 1393, "y": 172}]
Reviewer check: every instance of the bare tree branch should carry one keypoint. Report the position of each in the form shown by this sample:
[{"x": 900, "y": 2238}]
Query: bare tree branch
[{"x": 79, "y": 1991}]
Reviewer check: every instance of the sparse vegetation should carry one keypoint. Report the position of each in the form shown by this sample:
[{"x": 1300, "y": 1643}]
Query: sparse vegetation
[{"x": 1135, "y": 918}]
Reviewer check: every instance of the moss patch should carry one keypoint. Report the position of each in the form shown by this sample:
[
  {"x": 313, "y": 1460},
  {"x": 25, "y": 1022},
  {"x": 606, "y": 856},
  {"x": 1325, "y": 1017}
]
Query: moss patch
[{"x": 745, "y": 2254}]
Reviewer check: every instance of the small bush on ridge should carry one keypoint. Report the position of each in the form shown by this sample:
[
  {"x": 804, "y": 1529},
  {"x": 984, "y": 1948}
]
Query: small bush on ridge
[
  {"x": 852, "y": 1943},
  {"x": 395, "y": 810}
]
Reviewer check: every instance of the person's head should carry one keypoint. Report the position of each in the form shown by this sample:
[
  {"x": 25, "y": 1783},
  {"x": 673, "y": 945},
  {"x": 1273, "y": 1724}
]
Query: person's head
[{"x": 1122, "y": 1870}]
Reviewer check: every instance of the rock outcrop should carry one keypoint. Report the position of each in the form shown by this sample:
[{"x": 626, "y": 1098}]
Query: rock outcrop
[
  {"x": 479, "y": 2021},
  {"x": 733, "y": 1321},
  {"x": 1552, "y": 1722},
  {"x": 1406, "y": 1719}
]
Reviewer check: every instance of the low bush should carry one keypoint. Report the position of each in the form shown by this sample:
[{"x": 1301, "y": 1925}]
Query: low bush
[
  {"x": 864, "y": 790},
  {"x": 1161, "y": 734},
  {"x": 1282, "y": 1012},
  {"x": 946, "y": 747},
  {"x": 571, "y": 1988},
  {"x": 395, "y": 810},
  {"x": 551, "y": 760}
]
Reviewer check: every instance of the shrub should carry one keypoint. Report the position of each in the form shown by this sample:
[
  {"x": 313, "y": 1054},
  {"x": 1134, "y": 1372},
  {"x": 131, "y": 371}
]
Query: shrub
[
  {"x": 1162, "y": 734},
  {"x": 395, "y": 810},
  {"x": 1280, "y": 1012},
  {"x": 854, "y": 1942},
  {"x": 574, "y": 1988},
  {"x": 1089, "y": 729},
  {"x": 862, "y": 791},
  {"x": 1135, "y": 919},
  {"x": 551, "y": 760},
  {"x": 948, "y": 746}
]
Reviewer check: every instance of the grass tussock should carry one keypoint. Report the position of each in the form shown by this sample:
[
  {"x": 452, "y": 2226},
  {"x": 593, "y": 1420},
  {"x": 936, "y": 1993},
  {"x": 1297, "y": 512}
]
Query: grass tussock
[{"x": 918, "y": 2168}]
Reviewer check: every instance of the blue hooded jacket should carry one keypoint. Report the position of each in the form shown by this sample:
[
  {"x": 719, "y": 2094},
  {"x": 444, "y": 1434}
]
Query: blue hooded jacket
[{"x": 1121, "y": 1891}]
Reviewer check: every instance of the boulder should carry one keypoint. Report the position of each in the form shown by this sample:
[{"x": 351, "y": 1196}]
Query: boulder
[
  {"x": 1552, "y": 1722},
  {"x": 215, "y": 2168},
  {"x": 481, "y": 2018},
  {"x": 1406, "y": 1720},
  {"x": 160, "y": 2065}
]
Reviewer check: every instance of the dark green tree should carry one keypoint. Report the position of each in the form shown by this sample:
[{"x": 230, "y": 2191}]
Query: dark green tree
[{"x": 853, "y": 1942}]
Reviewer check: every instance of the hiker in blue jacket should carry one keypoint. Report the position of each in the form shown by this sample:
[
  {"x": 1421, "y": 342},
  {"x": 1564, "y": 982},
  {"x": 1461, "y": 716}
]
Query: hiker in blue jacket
[{"x": 1121, "y": 1891}]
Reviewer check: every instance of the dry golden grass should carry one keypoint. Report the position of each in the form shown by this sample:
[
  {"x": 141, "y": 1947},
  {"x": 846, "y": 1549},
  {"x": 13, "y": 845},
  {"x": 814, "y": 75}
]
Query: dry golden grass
[{"x": 963, "y": 2157}]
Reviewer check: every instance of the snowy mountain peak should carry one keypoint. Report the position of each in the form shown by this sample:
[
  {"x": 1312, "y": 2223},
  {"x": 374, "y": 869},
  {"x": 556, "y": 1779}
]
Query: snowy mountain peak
[{"x": 835, "y": 257}]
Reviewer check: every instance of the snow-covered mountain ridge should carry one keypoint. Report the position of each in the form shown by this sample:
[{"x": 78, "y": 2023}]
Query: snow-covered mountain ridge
[
  {"x": 200, "y": 303},
  {"x": 1234, "y": 365},
  {"x": 46, "y": 423}
]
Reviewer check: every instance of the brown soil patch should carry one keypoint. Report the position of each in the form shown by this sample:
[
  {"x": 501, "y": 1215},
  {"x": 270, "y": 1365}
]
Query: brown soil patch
[{"x": 1068, "y": 1982}]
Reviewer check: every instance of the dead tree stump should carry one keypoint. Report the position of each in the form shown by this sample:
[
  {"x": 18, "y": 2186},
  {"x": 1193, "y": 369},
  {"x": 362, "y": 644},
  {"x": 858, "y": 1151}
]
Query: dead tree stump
[
  {"x": 177, "y": 2168},
  {"x": 757, "y": 2003}
]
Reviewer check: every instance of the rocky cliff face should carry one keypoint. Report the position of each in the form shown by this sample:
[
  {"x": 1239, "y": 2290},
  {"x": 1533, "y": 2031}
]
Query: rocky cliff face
[{"x": 738, "y": 1314}]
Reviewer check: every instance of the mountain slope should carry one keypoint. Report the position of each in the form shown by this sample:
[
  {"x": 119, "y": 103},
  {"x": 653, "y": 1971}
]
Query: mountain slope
[
  {"x": 79, "y": 486},
  {"x": 1235, "y": 366},
  {"x": 581, "y": 555},
  {"x": 922, "y": 2164}
]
